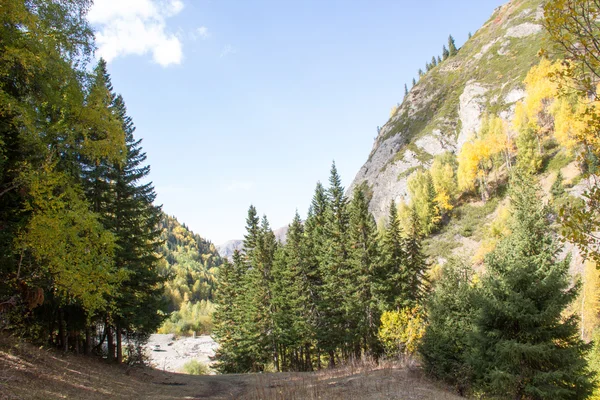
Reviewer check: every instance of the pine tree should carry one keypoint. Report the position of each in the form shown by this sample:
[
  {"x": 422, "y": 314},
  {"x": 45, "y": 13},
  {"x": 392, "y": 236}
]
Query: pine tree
[
  {"x": 558, "y": 188},
  {"x": 414, "y": 82},
  {"x": 135, "y": 220},
  {"x": 452, "y": 50},
  {"x": 439, "y": 60},
  {"x": 364, "y": 250},
  {"x": 405, "y": 90},
  {"x": 228, "y": 319},
  {"x": 335, "y": 270},
  {"x": 415, "y": 264},
  {"x": 470, "y": 35},
  {"x": 445, "y": 53},
  {"x": 433, "y": 61},
  {"x": 316, "y": 222},
  {"x": 445, "y": 345},
  {"x": 392, "y": 272},
  {"x": 525, "y": 346},
  {"x": 420, "y": 73}
]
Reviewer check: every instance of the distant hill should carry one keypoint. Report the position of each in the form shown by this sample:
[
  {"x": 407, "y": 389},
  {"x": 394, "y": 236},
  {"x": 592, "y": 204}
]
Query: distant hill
[{"x": 227, "y": 249}]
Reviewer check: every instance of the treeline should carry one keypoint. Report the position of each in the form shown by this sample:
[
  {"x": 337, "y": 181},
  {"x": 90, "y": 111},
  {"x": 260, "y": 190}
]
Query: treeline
[
  {"x": 78, "y": 228},
  {"x": 318, "y": 299}
]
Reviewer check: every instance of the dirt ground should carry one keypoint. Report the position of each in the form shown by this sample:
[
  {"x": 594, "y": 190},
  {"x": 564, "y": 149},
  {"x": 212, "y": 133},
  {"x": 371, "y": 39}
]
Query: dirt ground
[{"x": 29, "y": 372}]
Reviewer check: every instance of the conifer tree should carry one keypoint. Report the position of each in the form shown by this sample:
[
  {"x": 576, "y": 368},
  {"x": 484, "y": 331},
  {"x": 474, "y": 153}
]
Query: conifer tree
[
  {"x": 445, "y": 53},
  {"x": 414, "y": 82},
  {"x": 439, "y": 60},
  {"x": 335, "y": 270},
  {"x": 228, "y": 319},
  {"x": 433, "y": 61},
  {"x": 364, "y": 250},
  {"x": 445, "y": 344},
  {"x": 392, "y": 272},
  {"x": 525, "y": 345},
  {"x": 405, "y": 90},
  {"x": 421, "y": 73},
  {"x": 452, "y": 50},
  {"x": 415, "y": 263}
]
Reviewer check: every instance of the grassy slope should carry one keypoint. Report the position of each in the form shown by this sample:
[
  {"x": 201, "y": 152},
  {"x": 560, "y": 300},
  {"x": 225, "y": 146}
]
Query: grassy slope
[
  {"x": 439, "y": 90},
  {"x": 28, "y": 372}
]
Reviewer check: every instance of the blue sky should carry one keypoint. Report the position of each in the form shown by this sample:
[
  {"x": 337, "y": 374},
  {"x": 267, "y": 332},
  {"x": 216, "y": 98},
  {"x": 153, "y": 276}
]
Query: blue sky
[{"x": 245, "y": 102}]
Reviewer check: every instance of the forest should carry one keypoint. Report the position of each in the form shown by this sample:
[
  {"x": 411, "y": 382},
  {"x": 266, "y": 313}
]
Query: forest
[{"x": 90, "y": 264}]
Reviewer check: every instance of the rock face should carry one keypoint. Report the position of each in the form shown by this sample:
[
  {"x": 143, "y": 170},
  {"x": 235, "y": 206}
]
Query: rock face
[
  {"x": 447, "y": 105},
  {"x": 227, "y": 249}
]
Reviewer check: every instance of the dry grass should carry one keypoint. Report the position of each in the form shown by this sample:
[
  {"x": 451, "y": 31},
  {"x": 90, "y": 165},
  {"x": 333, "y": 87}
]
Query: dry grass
[
  {"x": 362, "y": 379},
  {"x": 29, "y": 372}
]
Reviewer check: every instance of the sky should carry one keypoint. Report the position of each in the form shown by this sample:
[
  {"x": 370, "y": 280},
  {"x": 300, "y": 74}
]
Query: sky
[{"x": 242, "y": 102}]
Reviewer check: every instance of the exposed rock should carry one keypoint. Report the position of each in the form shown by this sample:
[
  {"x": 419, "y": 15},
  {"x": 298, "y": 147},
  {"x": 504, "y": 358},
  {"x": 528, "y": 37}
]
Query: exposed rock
[
  {"x": 484, "y": 49},
  {"x": 432, "y": 144},
  {"x": 523, "y": 30},
  {"x": 514, "y": 95},
  {"x": 227, "y": 249},
  {"x": 470, "y": 108}
]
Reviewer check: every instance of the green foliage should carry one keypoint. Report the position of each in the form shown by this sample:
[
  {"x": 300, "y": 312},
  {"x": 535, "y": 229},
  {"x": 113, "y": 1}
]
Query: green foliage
[
  {"x": 523, "y": 344},
  {"x": 195, "y": 367},
  {"x": 450, "y": 312}
]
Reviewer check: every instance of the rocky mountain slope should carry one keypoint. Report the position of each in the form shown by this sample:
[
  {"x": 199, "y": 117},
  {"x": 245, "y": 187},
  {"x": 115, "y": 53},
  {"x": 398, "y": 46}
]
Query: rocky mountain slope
[
  {"x": 227, "y": 249},
  {"x": 448, "y": 103}
]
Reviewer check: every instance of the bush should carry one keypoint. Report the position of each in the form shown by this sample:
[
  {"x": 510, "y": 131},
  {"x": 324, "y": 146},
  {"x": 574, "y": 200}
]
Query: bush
[
  {"x": 195, "y": 367},
  {"x": 401, "y": 331}
]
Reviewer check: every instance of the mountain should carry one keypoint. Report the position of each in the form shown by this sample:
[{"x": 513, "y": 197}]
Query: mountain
[
  {"x": 227, "y": 249},
  {"x": 448, "y": 103},
  {"x": 190, "y": 260}
]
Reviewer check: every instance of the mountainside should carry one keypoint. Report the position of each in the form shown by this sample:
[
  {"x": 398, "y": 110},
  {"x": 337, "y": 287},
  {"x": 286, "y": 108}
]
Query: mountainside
[
  {"x": 447, "y": 104},
  {"x": 227, "y": 249},
  {"x": 191, "y": 262}
]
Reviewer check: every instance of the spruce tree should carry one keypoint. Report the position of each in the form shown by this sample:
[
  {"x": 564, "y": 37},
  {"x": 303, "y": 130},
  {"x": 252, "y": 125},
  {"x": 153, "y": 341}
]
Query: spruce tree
[
  {"x": 414, "y": 82},
  {"x": 364, "y": 251},
  {"x": 392, "y": 275},
  {"x": 415, "y": 263},
  {"x": 452, "y": 50},
  {"x": 525, "y": 344},
  {"x": 405, "y": 90},
  {"x": 445, "y": 53},
  {"x": 433, "y": 61},
  {"x": 439, "y": 60},
  {"x": 229, "y": 329},
  {"x": 450, "y": 311},
  {"x": 335, "y": 271},
  {"x": 135, "y": 220}
]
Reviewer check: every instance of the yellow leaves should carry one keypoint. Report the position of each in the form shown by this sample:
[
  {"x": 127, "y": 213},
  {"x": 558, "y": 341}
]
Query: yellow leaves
[
  {"x": 393, "y": 111},
  {"x": 401, "y": 331},
  {"x": 476, "y": 157}
]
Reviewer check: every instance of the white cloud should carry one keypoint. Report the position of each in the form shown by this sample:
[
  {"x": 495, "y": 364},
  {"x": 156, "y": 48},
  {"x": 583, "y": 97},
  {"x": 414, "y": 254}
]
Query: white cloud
[
  {"x": 136, "y": 27},
  {"x": 239, "y": 186},
  {"x": 227, "y": 50}
]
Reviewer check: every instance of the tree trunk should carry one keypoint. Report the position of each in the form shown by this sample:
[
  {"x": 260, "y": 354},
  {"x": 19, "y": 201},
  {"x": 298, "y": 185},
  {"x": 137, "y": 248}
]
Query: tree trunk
[
  {"x": 111, "y": 343},
  {"x": 88, "y": 341},
  {"x": 62, "y": 331},
  {"x": 119, "y": 345},
  {"x": 331, "y": 359}
]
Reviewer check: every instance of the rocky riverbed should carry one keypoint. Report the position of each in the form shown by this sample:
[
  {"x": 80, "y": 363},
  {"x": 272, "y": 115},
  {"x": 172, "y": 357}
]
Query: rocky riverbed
[{"x": 169, "y": 353}]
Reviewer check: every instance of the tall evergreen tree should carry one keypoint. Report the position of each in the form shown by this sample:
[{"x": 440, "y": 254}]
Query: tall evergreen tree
[
  {"x": 405, "y": 90},
  {"x": 445, "y": 53},
  {"x": 415, "y": 263},
  {"x": 452, "y": 50},
  {"x": 391, "y": 286},
  {"x": 445, "y": 344},
  {"x": 364, "y": 314},
  {"x": 335, "y": 271},
  {"x": 525, "y": 346}
]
